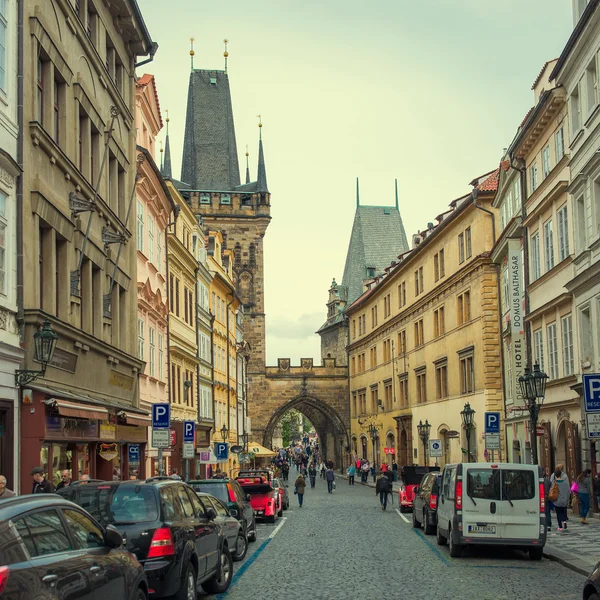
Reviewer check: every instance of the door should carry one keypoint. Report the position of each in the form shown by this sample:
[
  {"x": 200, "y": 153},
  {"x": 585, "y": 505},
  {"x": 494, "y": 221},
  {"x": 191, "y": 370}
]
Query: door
[
  {"x": 481, "y": 503},
  {"x": 108, "y": 566},
  {"x": 228, "y": 524},
  {"x": 446, "y": 506},
  {"x": 60, "y": 567},
  {"x": 199, "y": 511},
  {"x": 521, "y": 504},
  {"x": 210, "y": 537},
  {"x": 248, "y": 511}
]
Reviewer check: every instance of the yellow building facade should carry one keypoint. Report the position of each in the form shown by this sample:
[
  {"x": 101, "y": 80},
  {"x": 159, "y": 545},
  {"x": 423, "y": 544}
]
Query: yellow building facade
[{"x": 424, "y": 340}]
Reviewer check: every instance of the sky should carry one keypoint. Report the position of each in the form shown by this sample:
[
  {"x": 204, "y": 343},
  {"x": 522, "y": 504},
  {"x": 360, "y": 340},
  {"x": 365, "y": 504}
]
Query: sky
[{"x": 428, "y": 92}]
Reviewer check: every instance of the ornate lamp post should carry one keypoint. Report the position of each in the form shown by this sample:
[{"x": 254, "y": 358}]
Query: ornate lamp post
[
  {"x": 44, "y": 343},
  {"x": 374, "y": 433},
  {"x": 467, "y": 415},
  {"x": 533, "y": 390},
  {"x": 424, "y": 429},
  {"x": 245, "y": 441},
  {"x": 224, "y": 432}
]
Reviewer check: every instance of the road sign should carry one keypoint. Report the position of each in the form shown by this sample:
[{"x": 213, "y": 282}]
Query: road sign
[
  {"x": 591, "y": 392},
  {"x": 492, "y": 441},
  {"x": 161, "y": 438},
  {"x": 540, "y": 431},
  {"x": 134, "y": 453},
  {"x": 161, "y": 416},
  {"x": 189, "y": 429},
  {"x": 222, "y": 451},
  {"x": 435, "y": 448},
  {"x": 593, "y": 425},
  {"x": 389, "y": 450},
  {"x": 188, "y": 450},
  {"x": 173, "y": 437},
  {"x": 492, "y": 422},
  {"x": 236, "y": 449}
]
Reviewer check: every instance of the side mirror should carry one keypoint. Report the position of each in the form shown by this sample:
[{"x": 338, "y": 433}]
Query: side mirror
[
  {"x": 112, "y": 538},
  {"x": 211, "y": 514},
  {"x": 233, "y": 512}
]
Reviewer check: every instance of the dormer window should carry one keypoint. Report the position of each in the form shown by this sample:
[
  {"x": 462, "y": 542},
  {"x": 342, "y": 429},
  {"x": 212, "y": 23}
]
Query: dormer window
[
  {"x": 213, "y": 81},
  {"x": 370, "y": 271},
  {"x": 205, "y": 199},
  {"x": 225, "y": 199}
]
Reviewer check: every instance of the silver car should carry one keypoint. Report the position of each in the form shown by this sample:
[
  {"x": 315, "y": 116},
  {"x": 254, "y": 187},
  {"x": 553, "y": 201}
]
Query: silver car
[{"x": 283, "y": 492}]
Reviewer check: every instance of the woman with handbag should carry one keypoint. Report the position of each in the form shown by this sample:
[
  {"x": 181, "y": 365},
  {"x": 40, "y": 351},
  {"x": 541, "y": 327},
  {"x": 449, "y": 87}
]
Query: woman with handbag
[
  {"x": 299, "y": 487},
  {"x": 559, "y": 494},
  {"x": 583, "y": 492}
]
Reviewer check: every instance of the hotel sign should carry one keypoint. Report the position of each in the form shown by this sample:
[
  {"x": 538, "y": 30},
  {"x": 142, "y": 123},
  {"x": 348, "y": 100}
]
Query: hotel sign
[{"x": 517, "y": 327}]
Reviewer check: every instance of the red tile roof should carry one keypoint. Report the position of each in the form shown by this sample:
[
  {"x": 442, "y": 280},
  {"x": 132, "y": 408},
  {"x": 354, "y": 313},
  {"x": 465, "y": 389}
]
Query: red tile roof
[
  {"x": 491, "y": 183},
  {"x": 505, "y": 164},
  {"x": 143, "y": 81},
  {"x": 526, "y": 117},
  {"x": 537, "y": 79}
]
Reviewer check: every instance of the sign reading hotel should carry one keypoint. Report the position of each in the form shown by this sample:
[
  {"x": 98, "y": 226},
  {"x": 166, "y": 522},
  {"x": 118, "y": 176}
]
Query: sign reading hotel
[{"x": 517, "y": 327}]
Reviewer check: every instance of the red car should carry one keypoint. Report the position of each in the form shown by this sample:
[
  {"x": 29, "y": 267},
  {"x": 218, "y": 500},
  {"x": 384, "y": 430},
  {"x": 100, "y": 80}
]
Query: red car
[
  {"x": 264, "y": 498},
  {"x": 410, "y": 477}
]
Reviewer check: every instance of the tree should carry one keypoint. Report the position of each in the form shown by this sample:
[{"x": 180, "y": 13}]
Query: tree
[{"x": 290, "y": 426}]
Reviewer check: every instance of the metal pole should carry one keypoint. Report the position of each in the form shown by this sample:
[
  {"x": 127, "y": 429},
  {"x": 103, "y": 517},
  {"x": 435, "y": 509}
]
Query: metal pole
[
  {"x": 160, "y": 462},
  {"x": 468, "y": 444}
]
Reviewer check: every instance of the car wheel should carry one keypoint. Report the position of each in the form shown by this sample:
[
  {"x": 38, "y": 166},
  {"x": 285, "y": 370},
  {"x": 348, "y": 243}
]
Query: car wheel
[
  {"x": 241, "y": 547},
  {"x": 594, "y": 597},
  {"x": 428, "y": 527},
  {"x": 252, "y": 534},
  {"x": 440, "y": 539},
  {"x": 141, "y": 595},
  {"x": 402, "y": 509},
  {"x": 537, "y": 553},
  {"x": 220, "y": 582},
  {"x": 415, "y": 523},
  {"x": 455, "y": 549},
  {"x": 187, "y": 591}
]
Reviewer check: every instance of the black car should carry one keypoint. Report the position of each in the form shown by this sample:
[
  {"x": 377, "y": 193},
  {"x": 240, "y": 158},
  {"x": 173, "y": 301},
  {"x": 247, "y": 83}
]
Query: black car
[
  {"x": 235, "y": 499},
  {"x": 591, "y": 589},
  {"x": 167, "y": 528},
  {"x": 425, "y": 502},
  {"x": 51, "y": 549}
]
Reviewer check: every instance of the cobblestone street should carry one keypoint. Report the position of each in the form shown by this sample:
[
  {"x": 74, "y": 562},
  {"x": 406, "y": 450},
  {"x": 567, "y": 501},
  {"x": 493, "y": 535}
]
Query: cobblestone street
[{"x": 343, "y": 546}]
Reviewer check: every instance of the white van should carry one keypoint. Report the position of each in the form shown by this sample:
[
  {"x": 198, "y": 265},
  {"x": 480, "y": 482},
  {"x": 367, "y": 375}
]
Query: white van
[{"x": 500, "y": 504}]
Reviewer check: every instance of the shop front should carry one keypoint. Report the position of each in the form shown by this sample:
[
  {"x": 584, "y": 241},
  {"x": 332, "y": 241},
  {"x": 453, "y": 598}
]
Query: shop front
[{"x": 83, "y": 437}]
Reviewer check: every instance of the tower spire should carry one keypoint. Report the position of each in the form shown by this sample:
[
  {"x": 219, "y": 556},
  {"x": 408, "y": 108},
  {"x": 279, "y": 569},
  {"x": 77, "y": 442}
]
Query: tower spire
[
  {"x": 262, "y": 171},
  {"x": 166, "y": 167},
  {"x": 396, "y": 185},
  {"x": 192, "y": 52},
  {"x": 225, "y": 54},
  {"x": 247, "y": 166},
  {"x": 357, "y": 194}
]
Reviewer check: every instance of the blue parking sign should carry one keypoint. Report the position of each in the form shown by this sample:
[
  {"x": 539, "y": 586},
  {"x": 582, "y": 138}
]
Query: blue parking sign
[
  {"x": 591, "y": 392},
  {"x": 492, "y": 422},
  {"x": 161, "y": 415},
  {"x": 189, "y": 428},
  {"x": 222, "y": 450},
  {"x": 134, "y": 453}
]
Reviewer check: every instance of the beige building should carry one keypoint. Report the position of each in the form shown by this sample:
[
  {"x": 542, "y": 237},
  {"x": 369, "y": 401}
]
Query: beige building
[
  {"x": 424, "y": 339},
  {"x": 79, "y": 259}
]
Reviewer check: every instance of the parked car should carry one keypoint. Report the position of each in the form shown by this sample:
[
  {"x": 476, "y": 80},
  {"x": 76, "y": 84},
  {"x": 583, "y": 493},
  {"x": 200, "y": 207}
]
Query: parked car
[
  {"x": 235, "y": 499},
  {"x": 410, "y": 478},
  {"x": 425, "y": 502},
  {"x": 283, "y": 492},
  {"x": 265, "y": 500},
  {"x": 236, "y": 537},
  {"x": 493, "y": 504},
  {"x": 51, "y": 549},
  {"x": 591, "y": 589},
  {"x": 168, "y": 529}
]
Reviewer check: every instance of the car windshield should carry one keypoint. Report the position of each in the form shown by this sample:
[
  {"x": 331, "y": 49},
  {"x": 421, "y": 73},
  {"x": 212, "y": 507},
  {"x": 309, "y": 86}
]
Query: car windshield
[
  {"x": 118, "y": 504},
  {"x": 218, "y": 490}
]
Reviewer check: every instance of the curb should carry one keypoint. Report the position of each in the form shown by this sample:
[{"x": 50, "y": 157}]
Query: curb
[{"x": 565, "y": 562}]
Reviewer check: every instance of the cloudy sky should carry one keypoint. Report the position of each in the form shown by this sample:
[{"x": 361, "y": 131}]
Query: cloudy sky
[{"x": 429, "y": 92}]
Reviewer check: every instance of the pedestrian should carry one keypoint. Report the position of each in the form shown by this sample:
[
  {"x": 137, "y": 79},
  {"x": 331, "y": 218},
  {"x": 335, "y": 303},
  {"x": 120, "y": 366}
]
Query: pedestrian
[
  {"x": 299, "y": 487},
  {"x": 383, "y": 488},
  {"x": 65, "y": 480},
  {"x": 285, "y": 470},
  {"x": 584, "y": 489},
  {"x": 364, "y": 471},
  {"x": 330, "y": 478},
  {"x": 395, "y": 469},
  {"x": 40, "y": 484},
  {"x": 351, "y": 474},
  {"x": 85, "y": 479},
  {"x": 322, "y": 469},
  {"x": 312, "y": 473},
  {"x": 564, "y": 492},
  {"x": 4, "y": 491},
  {"x": 548, "y": 503},
  {"x": 384, "y": 468}
]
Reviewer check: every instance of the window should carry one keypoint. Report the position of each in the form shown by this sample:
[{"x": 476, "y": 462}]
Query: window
[
  {"x": 533, "y": 183},
  {"x": 177, "y": 296},
  {"x": 40, "y": 91},
  {"x": 421, "y": 386},
  {"x": 441, "y": 379},
  {"x": 387, "y": 350},
  {"x": 3, "y": 26},
  {"x": 371, "y": 272},
  {"x": 161, "y": 359},
  {"x": 518, "y": 484},
  {"x": 402, "y": 342},
  {"x": 549, "y": 245},
  {"x": 151, "y": 333},
  {"x": 560, "y": 144},
  {"x": 374, "y": 398},
  {"x": 402, "y": 294},
  {"x": 387, "y": 395},
  {"x": 185, "y": 304},
  {"x": 468, "y": 248},
  {"x": 225, "y": 199},
  {"x": 587, "y": 343},
  {"x": 591, "y": 75},
  {"x": 439, "y": 269},
  {"x": 418, "y": 333},
  {"x": 158, "y": 250},
  {"x": 463, "y": 307},
  {"x": 374, "y": 316},
  {"x": 373, "y": 353},
  {"x": 538, "y": 348},
  {"x": 3, "y": 225},
  {"x": 461, "y": 247},
  {"x": 353, "y": 366},
  {"x": 517, "y": 194},
  {"x": 141, "y": 339},
  {"x": 204, "y": 199},
  {"x": 535, "y": 256},
  {"x": 151, "y": 238},
  {"x": 56, "y": 111},
  {"x": 43, "y": 533},
  {"x": 87, "y": 534},
  {"x": 403, "y": 388},
  {"x": 483, "y": 484},
  {"x": 575, "y": 111},
  {"x": 362, "y": 399},
  {"x": 387, "y": 306},
  {"x": 467, "y": 374},
  {"x": 140, "y": 226},
  {"x": 353, "y": 328},
  {"x": 581, "y": 237},
  {"x": 419, "y": 281},
  {"x": 546, "y": 161},
  {"x": 563, "y": 233},
  {"x": 552, "y": 351},
  {"x": 566, "y": 324},
  {"x": 439, "y": 322}
]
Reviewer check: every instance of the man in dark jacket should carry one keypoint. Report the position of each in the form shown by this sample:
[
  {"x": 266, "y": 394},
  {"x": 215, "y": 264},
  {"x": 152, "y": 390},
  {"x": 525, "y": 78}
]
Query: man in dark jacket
[
  {"x": 383, "y": 487},
  {"x": 65, "y": 481},
  {"x": 40, "y": 484}
]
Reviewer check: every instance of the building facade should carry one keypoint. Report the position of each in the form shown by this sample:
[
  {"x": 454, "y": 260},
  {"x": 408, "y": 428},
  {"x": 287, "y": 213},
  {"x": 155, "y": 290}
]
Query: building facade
[
  {"x": 80, "y": 163},
  {"x": 424, "y": 340}
]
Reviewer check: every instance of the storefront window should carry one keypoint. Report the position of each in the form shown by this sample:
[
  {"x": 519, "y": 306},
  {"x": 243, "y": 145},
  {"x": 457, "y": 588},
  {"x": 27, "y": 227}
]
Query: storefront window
[
  {"x": 62, "y": 458},
  {"x": 44, "y": 456},
  {"x": 83, "y": 461}
]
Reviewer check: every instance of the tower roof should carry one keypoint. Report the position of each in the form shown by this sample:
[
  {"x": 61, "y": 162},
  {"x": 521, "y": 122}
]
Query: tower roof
[
  {"x": 166, "y": 166},
  {"x": 377, "y": 238},
  {"x": 261, "y": 180},
  {"x": 210, "y": 160}
]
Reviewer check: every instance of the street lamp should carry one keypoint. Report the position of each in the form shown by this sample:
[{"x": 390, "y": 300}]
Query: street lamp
[
  {"x": 374, "y": 433},
  {"x": 245, "y": 441},
  {"x": 467, "y": 415},
  {"x": 424, "y": 429},
  {"x": 44, "y": 343},
  {"x": 533, "y": 390},
  {"x": 224, "y": 432}
]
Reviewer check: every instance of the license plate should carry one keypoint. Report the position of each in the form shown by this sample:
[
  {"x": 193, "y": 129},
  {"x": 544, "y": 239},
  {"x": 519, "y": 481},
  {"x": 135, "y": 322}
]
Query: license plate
[
  {"x": 482, "y": 529},
  {"x": 259, "y": 512}
]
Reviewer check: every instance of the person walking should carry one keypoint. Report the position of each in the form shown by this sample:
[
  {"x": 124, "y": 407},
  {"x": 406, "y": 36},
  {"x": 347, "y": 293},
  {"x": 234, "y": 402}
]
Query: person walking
[
  {"x": 561, "y": 467},
  {"x": 584, "y": 489},
  {"x": 312, "y": 474},
  {"x": 548, "y": 503},
  {"x": 299, "y": 487},
  {"x": 40, "y": 484},
  {"x": 285, "y": 470},
  {"x": 4, "y": 491},
  {"x": 322, "y": 469},
  {"x": 561, "y": 503},
  {"x": 383, "y": 488},
  {"x": 330, "y": 478},
  {"x": 395, "y": 469},
  {"x": 351, "y": 474},
  {"x": 65, "y": 480}
]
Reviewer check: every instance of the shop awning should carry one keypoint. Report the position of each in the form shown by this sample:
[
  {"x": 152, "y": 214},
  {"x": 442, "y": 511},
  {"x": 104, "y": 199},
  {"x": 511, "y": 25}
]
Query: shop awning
[
  {"x": 77, "y": 410},
  {"x": 259, "y": 450},
  {"x": 135, "y": 419}
]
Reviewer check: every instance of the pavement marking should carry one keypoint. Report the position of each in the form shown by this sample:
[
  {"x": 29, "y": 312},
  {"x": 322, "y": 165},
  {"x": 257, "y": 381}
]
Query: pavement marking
[
  {"x": 402, "y": 516},
  {"x": 254, "y": 556},
  {"x": 433, "y": 548}
]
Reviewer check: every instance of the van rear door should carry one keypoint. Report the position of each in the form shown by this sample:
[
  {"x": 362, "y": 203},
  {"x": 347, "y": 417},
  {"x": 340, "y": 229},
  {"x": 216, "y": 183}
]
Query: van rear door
[
  {"x": 521, "y": 502},
  {"x": 481, "y": 504}
]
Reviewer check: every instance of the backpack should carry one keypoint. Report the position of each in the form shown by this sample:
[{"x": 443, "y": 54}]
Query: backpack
[
  {"x": 384, "y": 484},
  {"x": 554, "y": 492}
]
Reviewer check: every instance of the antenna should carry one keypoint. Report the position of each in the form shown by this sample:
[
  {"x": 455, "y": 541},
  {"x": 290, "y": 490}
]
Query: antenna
[
  {"x": 192, "y": 52},
  {"x": 225, "y": 54},
  {"x": 357, "y": 194},
  {"x": 260, "y": 125}
]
